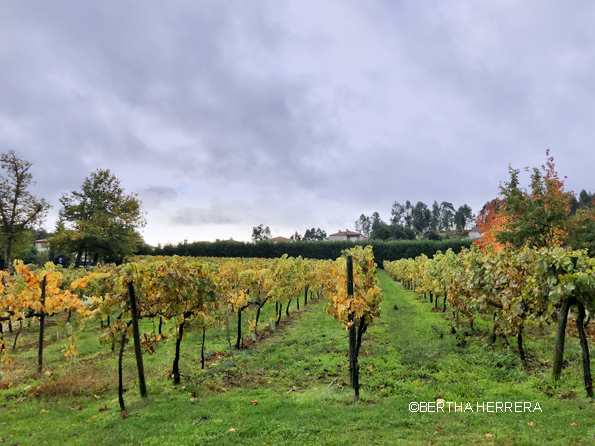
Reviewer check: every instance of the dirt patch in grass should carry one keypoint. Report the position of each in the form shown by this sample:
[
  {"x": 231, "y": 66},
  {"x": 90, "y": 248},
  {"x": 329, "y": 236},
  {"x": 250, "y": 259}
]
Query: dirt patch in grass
[{"x": 78, "y": 382}]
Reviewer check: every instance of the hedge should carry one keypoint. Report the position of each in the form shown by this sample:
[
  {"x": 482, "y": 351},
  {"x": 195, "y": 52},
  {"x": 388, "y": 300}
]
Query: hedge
[{"x": 389, "y": 250}]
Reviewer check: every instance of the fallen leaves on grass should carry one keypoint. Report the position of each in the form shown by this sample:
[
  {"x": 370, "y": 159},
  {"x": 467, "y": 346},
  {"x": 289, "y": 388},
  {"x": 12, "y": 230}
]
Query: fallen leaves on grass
[
  {"x": 233, "y": 430},
  {"x": 254, "y": 402}
]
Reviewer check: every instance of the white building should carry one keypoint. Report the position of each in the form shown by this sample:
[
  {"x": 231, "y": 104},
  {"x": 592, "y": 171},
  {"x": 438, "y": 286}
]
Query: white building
[
  {"x": 475, "y": 233},
  {"x": 41, "y": 245}
]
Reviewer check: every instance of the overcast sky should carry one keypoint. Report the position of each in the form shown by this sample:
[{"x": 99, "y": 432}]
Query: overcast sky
[{"x": 222, "y": 115}]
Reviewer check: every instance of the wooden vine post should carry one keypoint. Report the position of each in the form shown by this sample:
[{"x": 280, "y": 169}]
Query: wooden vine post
[
  {"x": 353, "y": 365},
  {"x": 560, "y": 337},
  {"x": 561, "y": 332},
  {"x": 580, "y": 318},
  {"x": 137, "y": 345},
  {"x": 41, "y": 326},
  {"x": 120, "y": 378}
]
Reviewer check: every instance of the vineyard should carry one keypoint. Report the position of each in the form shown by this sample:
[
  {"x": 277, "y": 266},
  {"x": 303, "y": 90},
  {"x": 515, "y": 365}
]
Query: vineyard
[
  {"x": 213, "y": 351},
  {"x": 189, "y": 294},
  {"x": 513, "y": 289}
]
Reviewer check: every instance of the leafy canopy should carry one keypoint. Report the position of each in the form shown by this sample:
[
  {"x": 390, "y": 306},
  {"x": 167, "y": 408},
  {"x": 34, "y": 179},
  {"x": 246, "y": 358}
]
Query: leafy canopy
[{"x": 100, "y": 218}]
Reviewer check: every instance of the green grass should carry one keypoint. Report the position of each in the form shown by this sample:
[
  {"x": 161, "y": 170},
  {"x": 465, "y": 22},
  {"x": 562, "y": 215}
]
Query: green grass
[{"x": 408, "y": 355}]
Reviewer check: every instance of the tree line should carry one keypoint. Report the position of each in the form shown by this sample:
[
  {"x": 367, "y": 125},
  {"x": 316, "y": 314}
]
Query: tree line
[
  {"x": 408, "y": 221},
  {"x": 262, "y": 233}
]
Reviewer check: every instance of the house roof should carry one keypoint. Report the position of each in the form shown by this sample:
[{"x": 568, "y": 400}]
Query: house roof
[
  {"x": 347, "y": 232},
  {"x": 279, "y": 239},
  {"x": 43, "y": 240}
]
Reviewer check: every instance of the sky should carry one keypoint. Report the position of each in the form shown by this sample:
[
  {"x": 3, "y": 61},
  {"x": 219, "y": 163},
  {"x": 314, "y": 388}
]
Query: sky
[{"x": 295, "y": 114}]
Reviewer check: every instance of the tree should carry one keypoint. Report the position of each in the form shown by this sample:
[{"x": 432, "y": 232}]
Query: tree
[
  {"x": 314, "y": 234},
  {"x": 400, "y": 232},
  {"x": 380, "y": 230},
  {"x": 463, "y": 217},
  {"x": 581, "y": 228},
  {"x": 19, "y": 209},
  {"x": 396, "y": 214},
  {"x": 99, "y": 220},
  {"x": 538, "y": 218},
  {"x": 364, "y": 225},
  {"x": 431, "y": 235},
  {"x": 297, "y": 236},
  {"x": 321, "y": 235},
  {"x": 260, "y": 233},
  {"x": 407, "y": 214},
  {"x": 435, "y": 217},
  {"x": 447, "y": 215},
  {"x": 491, "y": 220},
  {"x": 22, "y": 246},
  {"x": 420, "y": 217},
  {"x": 585, "y": 199}
]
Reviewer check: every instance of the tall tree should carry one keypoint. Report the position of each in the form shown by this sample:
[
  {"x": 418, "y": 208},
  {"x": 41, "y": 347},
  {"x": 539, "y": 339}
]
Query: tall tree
[
  {"x": 320, "y": 234},
  {"x": 407, "y": 214},
  {"x": 260, "y": 233},
  {"x": 19, "y": 209},
  {"x": 100, "y": 219},
  {"x": 435, "y": 218},
  {"x": 314, "y": 234},
  {"x": 463, "y": 217},
  {"x": 297, "y": 236},
  {"x": 420, "y": 217},
  {"x": 447, "y": 216},
  {"x": 396, "y": 214},
  {"x": 585, "y": 199},
  {"x": 363, "y": 224},
  {"x": 380, "y": 230}
]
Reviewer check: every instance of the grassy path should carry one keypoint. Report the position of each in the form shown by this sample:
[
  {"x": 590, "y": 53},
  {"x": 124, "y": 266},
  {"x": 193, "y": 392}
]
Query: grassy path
[{"x": 278, "y": 392}]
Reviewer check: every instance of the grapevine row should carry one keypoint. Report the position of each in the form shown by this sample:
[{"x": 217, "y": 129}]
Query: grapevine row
[
  {"x": 193, "y": 293},
  {"x": 511, "y": 288}
]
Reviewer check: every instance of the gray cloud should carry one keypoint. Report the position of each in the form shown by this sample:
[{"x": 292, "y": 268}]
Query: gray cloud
[
  {"x": 295, "y": 113},
  {"x": 154, "y": 196}
]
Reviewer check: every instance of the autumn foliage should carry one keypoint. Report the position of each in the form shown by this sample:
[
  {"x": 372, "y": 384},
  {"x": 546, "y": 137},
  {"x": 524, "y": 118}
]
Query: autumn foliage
[{"x": 537, "y": 217}]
